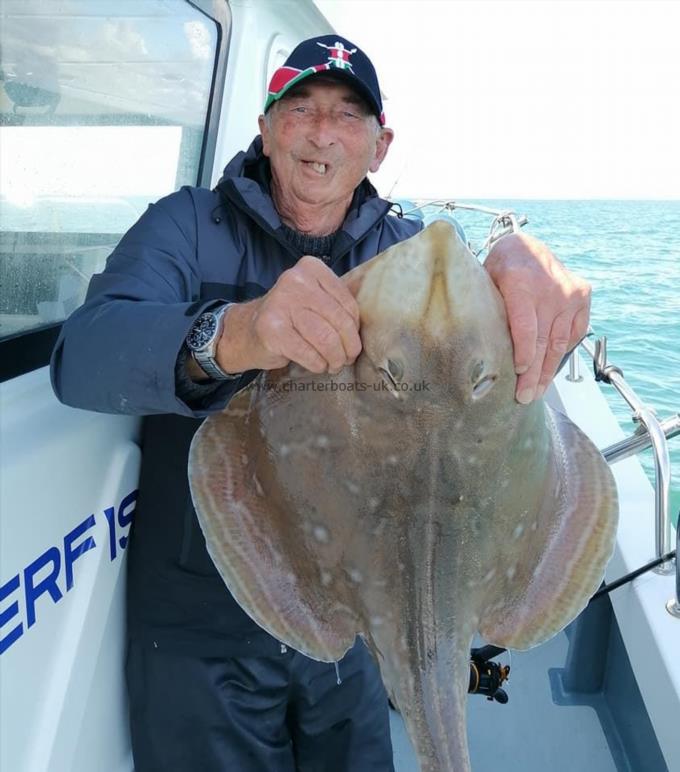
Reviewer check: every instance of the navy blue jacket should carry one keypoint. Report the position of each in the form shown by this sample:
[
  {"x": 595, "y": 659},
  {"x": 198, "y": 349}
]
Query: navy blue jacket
[{"x": 117, "y": 354}]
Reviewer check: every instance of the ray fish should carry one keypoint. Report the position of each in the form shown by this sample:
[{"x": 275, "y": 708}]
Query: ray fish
[{"x": 409, "y": 499}]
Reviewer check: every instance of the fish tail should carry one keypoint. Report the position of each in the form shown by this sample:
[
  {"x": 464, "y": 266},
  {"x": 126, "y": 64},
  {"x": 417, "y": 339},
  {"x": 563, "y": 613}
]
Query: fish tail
[{"x": 433, "y": 701}]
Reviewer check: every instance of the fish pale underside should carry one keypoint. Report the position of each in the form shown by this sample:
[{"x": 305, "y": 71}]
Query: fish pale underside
[{"x": 409, "y": 499}]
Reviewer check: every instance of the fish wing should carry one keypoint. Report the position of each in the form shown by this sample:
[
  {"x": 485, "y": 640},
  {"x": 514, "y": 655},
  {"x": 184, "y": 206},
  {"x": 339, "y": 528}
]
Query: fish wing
[{"x": 557, "y": 561}]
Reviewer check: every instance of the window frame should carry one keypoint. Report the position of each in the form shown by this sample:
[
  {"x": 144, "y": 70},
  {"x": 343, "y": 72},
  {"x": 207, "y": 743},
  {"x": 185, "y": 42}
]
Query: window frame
[{"x": 24, "y": 352}]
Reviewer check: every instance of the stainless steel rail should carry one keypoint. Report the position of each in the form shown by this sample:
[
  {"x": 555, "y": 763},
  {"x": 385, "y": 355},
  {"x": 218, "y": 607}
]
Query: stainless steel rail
[
  {"x": 505, "y": 221},
  {"x": 652, "y": 433},
  {"x": 640, "y": 440},
  {"x": 574, "y": 368},
  {"x": 673, "y": 605},
  {"x": 645, "y": 415}
]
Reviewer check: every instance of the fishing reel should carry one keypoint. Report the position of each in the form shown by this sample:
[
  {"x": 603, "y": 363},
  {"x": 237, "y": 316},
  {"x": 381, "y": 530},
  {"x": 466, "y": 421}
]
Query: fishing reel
[{"x": 487, "y": 677}]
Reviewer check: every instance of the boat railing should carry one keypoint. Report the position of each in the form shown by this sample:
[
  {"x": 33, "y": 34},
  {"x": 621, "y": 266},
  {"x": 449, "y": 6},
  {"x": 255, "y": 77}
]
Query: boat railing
[
  {"x": 651, "y": 433},
  {"x": 504, "y": 221}
]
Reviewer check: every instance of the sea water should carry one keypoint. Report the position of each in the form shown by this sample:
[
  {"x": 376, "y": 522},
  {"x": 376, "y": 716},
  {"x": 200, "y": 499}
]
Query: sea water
[{"x": 630, "y": 252}]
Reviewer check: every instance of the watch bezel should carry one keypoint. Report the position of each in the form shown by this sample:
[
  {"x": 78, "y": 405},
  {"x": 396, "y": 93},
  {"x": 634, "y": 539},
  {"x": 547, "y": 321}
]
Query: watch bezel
[
  {"x": 202, "y": 343},
  {"x": 203, "y": 331}
]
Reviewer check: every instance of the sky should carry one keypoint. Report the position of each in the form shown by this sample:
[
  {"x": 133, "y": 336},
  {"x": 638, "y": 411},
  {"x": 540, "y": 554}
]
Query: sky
[{"x": 524, "y": 98}]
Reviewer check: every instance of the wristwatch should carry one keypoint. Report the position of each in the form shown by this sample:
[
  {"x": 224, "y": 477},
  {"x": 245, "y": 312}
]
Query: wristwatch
[{"x": 202, "y": 342}]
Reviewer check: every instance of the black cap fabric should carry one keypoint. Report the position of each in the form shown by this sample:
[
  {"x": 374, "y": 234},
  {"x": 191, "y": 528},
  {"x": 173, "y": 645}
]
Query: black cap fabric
[{"x": 332, "y": 54}]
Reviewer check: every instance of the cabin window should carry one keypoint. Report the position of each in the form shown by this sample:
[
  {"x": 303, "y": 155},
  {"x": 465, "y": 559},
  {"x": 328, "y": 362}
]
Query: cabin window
[{"x": 103, "y": 108}]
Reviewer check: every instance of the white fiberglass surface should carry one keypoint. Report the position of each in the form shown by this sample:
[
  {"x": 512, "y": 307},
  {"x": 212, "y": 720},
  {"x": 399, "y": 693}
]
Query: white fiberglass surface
[{"x": 69, "y": 480}]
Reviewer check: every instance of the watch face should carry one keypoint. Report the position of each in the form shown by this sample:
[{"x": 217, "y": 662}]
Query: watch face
[{"x": 203, "y": 331}]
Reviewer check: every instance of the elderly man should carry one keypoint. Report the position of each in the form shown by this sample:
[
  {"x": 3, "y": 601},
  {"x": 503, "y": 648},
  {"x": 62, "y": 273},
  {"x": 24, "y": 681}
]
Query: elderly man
[{"x": 207, "y": 288}]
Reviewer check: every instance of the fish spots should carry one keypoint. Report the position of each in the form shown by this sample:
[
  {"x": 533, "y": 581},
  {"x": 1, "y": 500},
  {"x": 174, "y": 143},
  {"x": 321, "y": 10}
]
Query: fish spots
[
  {"x": 377, "y": 621},
  {"x": 355, "y": 576},
  {"x": 472, "y": 460},
  {"x": 322, "y": 442},
  {"x": 284, "y": 450},
  {"x": 244, "y": 459},
  {"x": 519, "y": 530},
  {"x": 352, "y": 487},
  {"x": 321, "y": 534},
  {"x": 379, "y": 527},
  {"x": 326, "y": 578},
  {"x": 512, "y": 570},
  {"x": 373, "y": 503},
  {"x": 391, "y": 460},
  {"x": 489, "y": 575},
  {"x": 534, "y": 525}
]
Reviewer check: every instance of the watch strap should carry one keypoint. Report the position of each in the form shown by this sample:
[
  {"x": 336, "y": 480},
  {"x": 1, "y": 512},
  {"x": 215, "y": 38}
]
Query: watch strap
[
  {"x": 212, "y": 369},
  {"x": 206, "y": 358}
]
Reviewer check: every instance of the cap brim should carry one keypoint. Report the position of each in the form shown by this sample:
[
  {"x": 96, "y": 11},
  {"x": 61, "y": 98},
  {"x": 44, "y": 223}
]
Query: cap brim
[{"x": 336, "y": 74}]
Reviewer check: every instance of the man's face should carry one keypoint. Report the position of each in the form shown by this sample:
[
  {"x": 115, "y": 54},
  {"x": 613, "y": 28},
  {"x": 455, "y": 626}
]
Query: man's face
[{"x": 321, "y": 141}]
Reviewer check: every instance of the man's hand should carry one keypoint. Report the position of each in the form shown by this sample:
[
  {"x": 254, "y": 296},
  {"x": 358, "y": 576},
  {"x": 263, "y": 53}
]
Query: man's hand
[
  {"x": 309, "y": 317},
  {"x": 548, "y": 308}
]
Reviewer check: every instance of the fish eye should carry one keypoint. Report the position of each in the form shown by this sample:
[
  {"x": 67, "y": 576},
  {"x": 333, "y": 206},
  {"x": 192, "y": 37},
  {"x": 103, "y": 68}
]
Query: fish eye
[
  {"x": 395, "y": 369},
  {"x": 482, "y": 387},
  {"x": 477, "y": 371},
  {"x": 386, "y": 374}
]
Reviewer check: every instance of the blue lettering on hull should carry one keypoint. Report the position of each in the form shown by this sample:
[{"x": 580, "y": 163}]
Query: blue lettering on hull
[{"x": 42, "y": 576}]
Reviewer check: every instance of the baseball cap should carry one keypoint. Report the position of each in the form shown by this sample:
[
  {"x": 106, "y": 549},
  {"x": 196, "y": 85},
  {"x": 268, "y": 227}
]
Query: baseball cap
[{"x": 335, "y": 55}]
